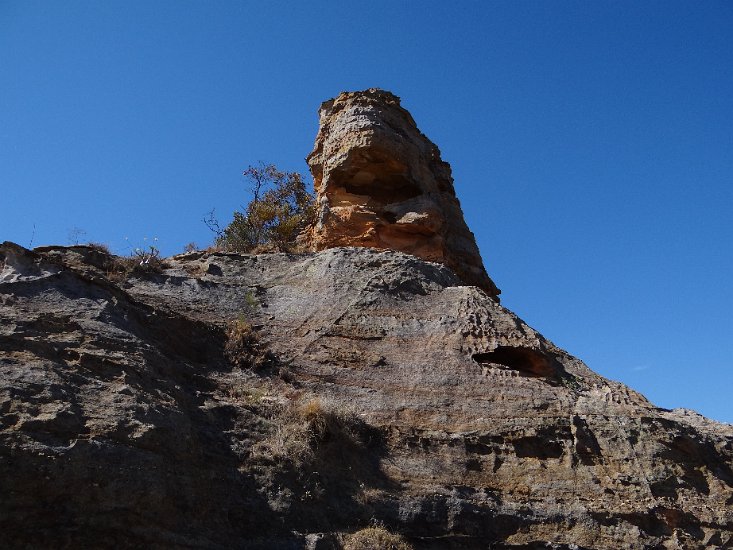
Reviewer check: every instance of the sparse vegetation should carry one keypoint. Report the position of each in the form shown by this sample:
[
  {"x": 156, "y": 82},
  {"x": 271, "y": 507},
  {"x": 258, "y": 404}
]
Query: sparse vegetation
[
  {"x": 251, "y": 301},
  {"x": 141, "y": 261},
  {"x": 147, "y": 260},
  {"x": 375, "y": 538},
  {"x": 245, "y": 395},
  {"x": 76, "y": 235},
  {"x": 100, "y": 247},
  {"x": 299, "y": 429},
  {"x": 243, "y": 348},
  {"x": 569, "y": 381},
  {"x": 280, "y": 209}
]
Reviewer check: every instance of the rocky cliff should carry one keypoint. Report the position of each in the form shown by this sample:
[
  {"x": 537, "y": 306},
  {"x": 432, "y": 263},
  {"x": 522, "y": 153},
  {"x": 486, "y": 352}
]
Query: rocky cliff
[
  {"x": 221, "y": 400},
  {"x": 381, "y": 183},
  {"x": 353, "y": 386}
]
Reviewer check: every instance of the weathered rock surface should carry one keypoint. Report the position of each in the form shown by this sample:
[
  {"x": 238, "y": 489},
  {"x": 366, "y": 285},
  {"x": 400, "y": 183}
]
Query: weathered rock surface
[
  {"x": 381, "y": 183},
  {"x": 121, "y": 421}
]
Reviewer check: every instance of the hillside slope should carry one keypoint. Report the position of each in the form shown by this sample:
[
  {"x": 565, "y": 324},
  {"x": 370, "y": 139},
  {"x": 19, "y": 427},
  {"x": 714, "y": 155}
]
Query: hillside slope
[{"x": 279, "y": 401}]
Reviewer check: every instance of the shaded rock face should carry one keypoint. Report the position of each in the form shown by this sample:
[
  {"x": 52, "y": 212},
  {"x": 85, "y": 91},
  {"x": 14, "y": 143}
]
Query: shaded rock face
[
  {"x": 455, "y": 423},
  {"x": 381, "y": 183}
]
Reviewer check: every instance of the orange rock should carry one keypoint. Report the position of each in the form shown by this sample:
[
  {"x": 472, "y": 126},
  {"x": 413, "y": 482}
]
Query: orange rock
[{"x": 381, "y": 183}]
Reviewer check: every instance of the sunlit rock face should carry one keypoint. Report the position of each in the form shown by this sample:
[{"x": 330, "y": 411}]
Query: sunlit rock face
[
  {"x": 467, "y": 429},
  {"x": 381, "y": 183}
]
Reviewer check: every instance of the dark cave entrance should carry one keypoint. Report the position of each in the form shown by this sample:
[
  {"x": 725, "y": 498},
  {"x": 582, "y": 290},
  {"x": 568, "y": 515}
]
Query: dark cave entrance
[
  {"x": 527, "y": 361},
  {"x": 381, "y": 186}
]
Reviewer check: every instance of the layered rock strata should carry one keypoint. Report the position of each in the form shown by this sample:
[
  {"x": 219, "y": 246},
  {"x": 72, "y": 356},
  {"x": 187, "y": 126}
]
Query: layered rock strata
[
  {"x": 122, "y": 422},
  {"x": 381, "y": 183}
]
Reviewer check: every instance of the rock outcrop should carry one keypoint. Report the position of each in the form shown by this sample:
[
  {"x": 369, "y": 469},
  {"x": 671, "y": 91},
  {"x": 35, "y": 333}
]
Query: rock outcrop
[
  {"x": 390, "y": 391},
  {"x": 381, "y": 183}
]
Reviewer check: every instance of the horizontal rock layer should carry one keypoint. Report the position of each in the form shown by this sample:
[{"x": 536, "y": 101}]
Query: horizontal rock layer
[{"x": 451, "y": 421}]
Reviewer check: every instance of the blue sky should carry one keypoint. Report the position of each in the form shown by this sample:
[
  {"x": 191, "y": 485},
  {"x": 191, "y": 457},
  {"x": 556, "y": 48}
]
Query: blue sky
[{"x": 591, "y": 144}]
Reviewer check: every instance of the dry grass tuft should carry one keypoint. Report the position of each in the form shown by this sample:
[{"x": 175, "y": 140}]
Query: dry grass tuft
[
  {"x": 243, "y": 348},
  {"x": 375, "y": 538},
  {"x": 245, "y": 395},
  {"x": 300, "y": 428},
  {"x": 140, "y": 262},
  {"x": 100, "y": 247}
]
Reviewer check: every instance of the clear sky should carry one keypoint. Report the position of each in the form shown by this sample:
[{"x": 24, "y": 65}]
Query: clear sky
[{"x": 591, "y": 144}]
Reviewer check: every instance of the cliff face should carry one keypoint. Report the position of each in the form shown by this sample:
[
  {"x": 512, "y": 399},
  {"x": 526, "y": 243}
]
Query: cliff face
[
  {"x": 382, "y": 184},
  {"x": 359, "y": 385}
]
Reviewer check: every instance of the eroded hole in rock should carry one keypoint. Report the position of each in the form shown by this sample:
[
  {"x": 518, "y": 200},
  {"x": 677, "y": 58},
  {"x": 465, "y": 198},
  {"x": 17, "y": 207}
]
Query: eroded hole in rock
[
  {"x": 527, "y": 361},
  {"x": 381, "y": 187},
  {"x": 389, "y": 217}
]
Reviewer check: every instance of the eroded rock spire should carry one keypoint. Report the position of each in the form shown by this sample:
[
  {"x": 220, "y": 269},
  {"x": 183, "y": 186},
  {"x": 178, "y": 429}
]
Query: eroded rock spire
[{"x": 381, "y": 183}]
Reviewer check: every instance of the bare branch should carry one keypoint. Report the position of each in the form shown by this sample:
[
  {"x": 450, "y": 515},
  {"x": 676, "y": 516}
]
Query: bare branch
[{"x": 213, "y": 224}]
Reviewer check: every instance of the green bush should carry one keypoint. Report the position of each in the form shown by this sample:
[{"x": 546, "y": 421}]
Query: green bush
[{"x": 280, "y": 209}]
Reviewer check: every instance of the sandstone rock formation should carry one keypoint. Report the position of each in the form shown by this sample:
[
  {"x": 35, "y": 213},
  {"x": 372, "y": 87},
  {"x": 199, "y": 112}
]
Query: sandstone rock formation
[
  {"x": 452, "y": 422},
  {"x": 381, "y": 183}
]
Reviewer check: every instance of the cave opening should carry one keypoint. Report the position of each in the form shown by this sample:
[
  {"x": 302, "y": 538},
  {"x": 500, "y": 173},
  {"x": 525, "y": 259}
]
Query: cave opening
[
  {"x": 527, "y": 361},
  {"x": 380, "y": 186}
]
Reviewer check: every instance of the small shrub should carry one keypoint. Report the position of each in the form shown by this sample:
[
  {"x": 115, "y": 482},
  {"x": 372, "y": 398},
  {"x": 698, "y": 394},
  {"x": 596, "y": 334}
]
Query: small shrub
[
  {"x": 243, "y": 348},
  {"x": 190, "y": 247},
  {"x": 328, "y": 421},
  {"x": 148, "y": 261},
  {"x": 141, "y": 261},
  {"x": 100, "y": 247},
  {"x": 250, "y": 301},
  {"x": 280, "y": 209},
  {"x": 290, "y": 443},
  {"x": 300, "y": 428},
  {"x": 375, "y": 538},
  {"x": 313, "y": 409}
]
